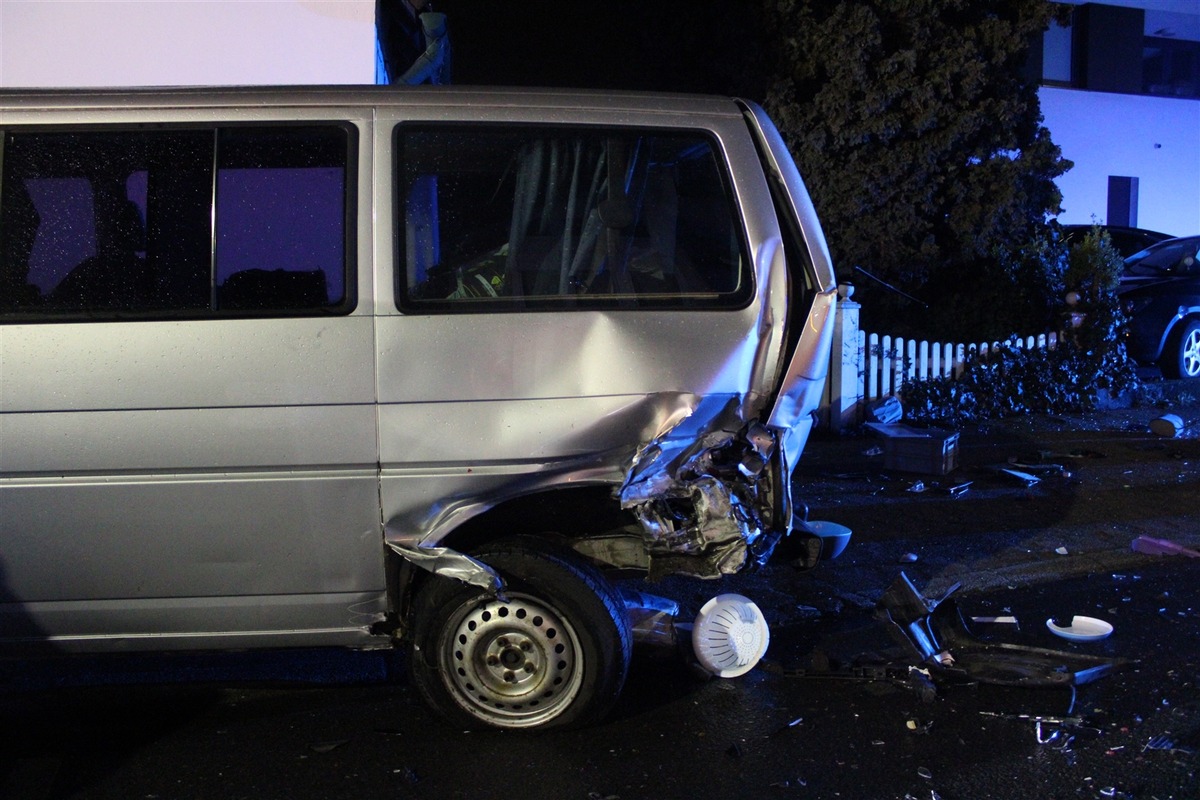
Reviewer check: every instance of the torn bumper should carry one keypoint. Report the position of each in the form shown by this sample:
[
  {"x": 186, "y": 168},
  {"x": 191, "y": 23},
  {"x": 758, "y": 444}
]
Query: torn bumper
[{"x": 935, "y": 636}]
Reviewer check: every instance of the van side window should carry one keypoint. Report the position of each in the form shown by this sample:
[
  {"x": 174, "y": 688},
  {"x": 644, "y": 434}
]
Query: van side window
[
  {"x": 530, "y": 217},
  {"x": 109, "y": 224}
]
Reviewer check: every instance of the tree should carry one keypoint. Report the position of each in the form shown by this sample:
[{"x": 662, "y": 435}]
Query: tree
[{"x": 923, "y": 148}]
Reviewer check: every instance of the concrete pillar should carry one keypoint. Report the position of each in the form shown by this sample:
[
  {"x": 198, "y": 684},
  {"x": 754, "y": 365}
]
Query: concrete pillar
[{"x": 846, "y": 371}]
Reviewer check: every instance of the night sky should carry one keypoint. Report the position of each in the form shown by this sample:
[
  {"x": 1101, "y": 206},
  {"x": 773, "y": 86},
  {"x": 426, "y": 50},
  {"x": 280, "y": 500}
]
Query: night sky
[{"x": 666, "y": 45}]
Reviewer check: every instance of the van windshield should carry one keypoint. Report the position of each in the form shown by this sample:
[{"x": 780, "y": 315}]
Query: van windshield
[{"x": 534, "y": 217}]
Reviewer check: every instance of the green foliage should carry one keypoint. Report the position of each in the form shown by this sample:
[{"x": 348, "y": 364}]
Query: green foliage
[
  {"x": 921, "y": 142},
  {"x": 1089, "y": 359}
]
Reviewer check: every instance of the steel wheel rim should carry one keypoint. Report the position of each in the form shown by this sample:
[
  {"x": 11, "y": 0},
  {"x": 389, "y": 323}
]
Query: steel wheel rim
[
  {"x": 512, "y": 664},
  {"x": 1191, "y": 354}
]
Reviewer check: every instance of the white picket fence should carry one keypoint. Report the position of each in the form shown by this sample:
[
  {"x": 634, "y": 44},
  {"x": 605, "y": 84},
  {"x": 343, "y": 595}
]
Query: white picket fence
[
  {"x": 890, "y": 362},
  {"x": 866, "y": 367}
]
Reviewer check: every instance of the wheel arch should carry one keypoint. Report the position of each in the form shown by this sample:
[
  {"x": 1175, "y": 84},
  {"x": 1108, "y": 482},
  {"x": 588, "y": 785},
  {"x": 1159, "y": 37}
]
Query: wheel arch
[{"x": 558, "y": 515}]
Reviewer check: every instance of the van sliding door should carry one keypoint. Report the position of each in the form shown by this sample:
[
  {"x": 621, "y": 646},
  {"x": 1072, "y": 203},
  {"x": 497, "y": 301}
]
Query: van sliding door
[{"x": 187, "y": 435}]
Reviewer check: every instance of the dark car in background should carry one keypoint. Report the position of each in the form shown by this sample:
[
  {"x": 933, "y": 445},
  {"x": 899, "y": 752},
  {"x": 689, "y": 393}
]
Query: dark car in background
[
  {"x": 1160, "y": 290},
  {"x": 1125, "y": 241}
]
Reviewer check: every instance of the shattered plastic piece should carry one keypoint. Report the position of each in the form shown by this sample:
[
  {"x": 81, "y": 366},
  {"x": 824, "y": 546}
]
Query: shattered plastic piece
[
  {"x": 873, "y": 451},
  {"x": 787, "y": 727},
  {"x": 1045, "y": 737},
  {"x": 409, "y": 774},
  {"x": 1046, "y": 469},
  {"x": 651, "y": 618},
  {"x": 887, "y": 410},
  {"x": 1168, "y": 426},
  {"x": 908, "y": 558},
  {"x": 1165, "y": 742},
  {"x": 1081, "y": 629},
  {"x": 834, "y": 537},
  {"x": 1062, "y": 551},
  {"x": 1024, "y": 477},
  {"x": 925, "y": 773},
  {"x": 959, "y": 490},
  {"x": 1162, "y": 547},
  {"x": 325, "y": 747},
  {"x": 917, "y": 487}
]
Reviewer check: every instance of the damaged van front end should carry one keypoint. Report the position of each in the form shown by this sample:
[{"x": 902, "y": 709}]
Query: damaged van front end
[
  {"x": 706, "y": 473},
  {"x": 648, "y": 433}
]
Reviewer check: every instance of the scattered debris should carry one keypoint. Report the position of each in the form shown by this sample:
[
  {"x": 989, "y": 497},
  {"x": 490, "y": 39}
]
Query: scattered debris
[
  {"x": 1062, "y": 551},
  {"x": 916, "y": 726},
  {"x": 935, "y": 636},
  {"x": 788, "y": 784},
  {"x": 908, "y": 558},
  {"x": 958, "y": 490},
  {"x": 1162, "y": 547},
  {"x": 886, "y": 410},
  {"x": 1038, "y": 468},
  {"x": 1003, "y": 620},
  {"x": 917, "y": 487},
  {"x": 1167, "y": 743},
  {"x": 787, "y": 727},
  {"x": 908, "y": 449},
  {"x": 873, "y": 451},
  {"x": 807, "y": 612},
  {"x": 1024, "y": 477},
  {"x": 408, "y": 774},
  {"x": 1057, "y": 731},
  {"x": 1051, "y": 734}
]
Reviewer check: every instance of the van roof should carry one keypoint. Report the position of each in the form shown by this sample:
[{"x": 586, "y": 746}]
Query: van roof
[{"x": 398, "y": 96}]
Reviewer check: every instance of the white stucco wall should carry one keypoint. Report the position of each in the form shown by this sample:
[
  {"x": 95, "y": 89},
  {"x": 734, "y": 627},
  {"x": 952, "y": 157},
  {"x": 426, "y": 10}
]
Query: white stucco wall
[
  {"x": 186, "y": 42},
  {"x": 1155, "y": 139}
]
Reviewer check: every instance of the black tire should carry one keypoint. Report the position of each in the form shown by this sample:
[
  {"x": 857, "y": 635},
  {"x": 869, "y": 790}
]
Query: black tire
[
  {"x": 1182, "y": 359},
  {"x": 555, "y": 654}
]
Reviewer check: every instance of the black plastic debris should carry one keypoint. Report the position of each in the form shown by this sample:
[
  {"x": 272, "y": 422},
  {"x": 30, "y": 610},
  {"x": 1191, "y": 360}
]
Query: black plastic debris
[
  {"x": 1025, "y": 478},
  {"x": 935, "y": 636},
  {"x": 1169, "y": 744}
]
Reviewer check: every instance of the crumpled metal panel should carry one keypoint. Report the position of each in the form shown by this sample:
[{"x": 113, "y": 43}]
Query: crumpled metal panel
[
  {"x": 711, "y": 499},
  {"x": 451, "y": 564}
]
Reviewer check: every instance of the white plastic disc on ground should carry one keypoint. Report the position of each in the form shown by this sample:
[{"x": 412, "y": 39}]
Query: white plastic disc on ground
[
  {"x": 730, "y": 635},
  {"x": 1081, "y": 629}
]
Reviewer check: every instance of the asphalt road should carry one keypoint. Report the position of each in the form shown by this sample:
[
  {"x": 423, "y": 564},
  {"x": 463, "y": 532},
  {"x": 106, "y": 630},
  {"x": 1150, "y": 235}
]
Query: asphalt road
[{"x": 340, "y": 725}]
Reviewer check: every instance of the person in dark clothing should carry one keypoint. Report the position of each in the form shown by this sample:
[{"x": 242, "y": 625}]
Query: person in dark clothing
[{"x": 413, "y": 45}]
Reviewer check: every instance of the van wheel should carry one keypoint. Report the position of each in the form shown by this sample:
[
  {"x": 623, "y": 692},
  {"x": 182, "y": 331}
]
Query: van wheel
[
  {"x": 554, "y": 653},
  {"x": 1186, "y": 356}
]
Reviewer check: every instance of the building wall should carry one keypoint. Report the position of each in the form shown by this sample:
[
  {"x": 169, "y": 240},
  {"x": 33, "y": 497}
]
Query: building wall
[
  {"x": 186, "y": 42},
  {"x": 1154, "y": 139}
]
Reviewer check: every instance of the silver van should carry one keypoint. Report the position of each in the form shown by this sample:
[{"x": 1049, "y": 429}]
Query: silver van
[{"x": 359, "y": 366}]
